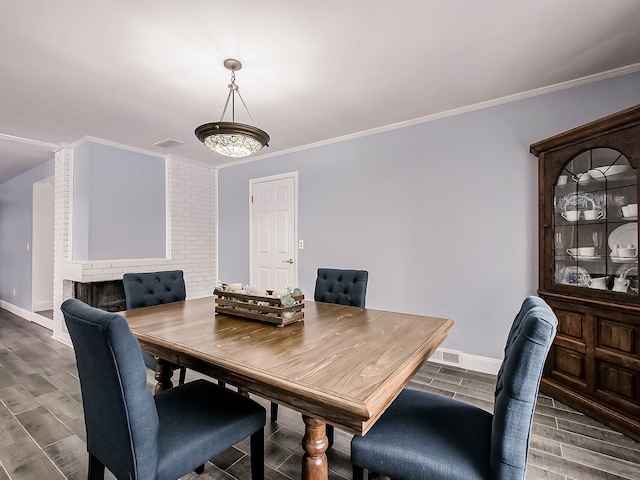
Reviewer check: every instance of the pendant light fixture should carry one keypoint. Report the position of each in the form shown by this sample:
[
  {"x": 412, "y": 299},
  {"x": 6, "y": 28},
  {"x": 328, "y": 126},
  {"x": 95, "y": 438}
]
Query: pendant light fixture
[{"x": 232, "y": 139}]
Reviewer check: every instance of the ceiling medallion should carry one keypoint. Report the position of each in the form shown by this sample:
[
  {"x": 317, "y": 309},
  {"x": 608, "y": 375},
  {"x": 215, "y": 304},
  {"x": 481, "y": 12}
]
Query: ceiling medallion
[{"x": 232, "y": 139}]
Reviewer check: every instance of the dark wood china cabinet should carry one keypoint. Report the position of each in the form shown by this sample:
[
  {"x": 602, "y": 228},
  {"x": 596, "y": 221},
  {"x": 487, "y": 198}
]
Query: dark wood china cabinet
[{"x": 588, "y": 253}]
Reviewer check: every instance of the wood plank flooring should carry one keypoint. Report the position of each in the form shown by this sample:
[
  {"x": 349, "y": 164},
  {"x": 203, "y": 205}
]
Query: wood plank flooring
[{"x": 42, "y": 426}]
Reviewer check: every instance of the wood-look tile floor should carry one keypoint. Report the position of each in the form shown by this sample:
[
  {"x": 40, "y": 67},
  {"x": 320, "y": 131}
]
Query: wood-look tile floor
[{"x": 42, "y": 428}]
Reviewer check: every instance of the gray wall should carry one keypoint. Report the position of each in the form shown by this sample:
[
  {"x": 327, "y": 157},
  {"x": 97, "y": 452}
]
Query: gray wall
[
  {"x": 442, "y": 214},
  {"x": 131, "y": 223},
  {"x": 16, "y": 224}
]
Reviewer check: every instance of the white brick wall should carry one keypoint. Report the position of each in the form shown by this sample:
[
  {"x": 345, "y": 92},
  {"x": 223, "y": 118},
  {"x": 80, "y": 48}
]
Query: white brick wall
[{"x": 191, "y": 235}]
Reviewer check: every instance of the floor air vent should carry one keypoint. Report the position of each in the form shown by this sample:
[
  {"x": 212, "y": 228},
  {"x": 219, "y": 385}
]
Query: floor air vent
[{"x": 450, "y": 357}]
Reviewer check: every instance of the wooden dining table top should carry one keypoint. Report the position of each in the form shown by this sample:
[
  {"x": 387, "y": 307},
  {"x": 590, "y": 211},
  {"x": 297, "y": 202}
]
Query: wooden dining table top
[{"x": 341, "y": 364}]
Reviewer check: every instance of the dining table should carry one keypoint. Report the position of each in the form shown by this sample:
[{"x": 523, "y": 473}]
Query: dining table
[{"x": 340, "y": 364}]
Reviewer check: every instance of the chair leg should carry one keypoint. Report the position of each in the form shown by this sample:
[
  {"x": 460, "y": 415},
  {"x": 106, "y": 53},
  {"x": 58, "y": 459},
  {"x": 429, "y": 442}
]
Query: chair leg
[
  {"x": 274, "y": 411},
  {"x": 257, "y": 455},
  {"x": 96, "y": 469},
  {"x": 183, "y": 374},
  {"x": 221, "y": 383},
  {"x": 358, "y": 473}
]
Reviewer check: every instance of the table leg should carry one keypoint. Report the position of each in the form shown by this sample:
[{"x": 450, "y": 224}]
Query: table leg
[
  {"x": 314, "y": 443},
  {"x": 164, "y": 372}
]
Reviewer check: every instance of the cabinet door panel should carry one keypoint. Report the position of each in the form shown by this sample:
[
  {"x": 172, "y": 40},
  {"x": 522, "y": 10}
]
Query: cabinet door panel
[
  {"x": 571, "y": 364},
  {"x": 617, "y": 381},
  {"x": 570, "y": 324},
  {"x": 617, "y": 337}
]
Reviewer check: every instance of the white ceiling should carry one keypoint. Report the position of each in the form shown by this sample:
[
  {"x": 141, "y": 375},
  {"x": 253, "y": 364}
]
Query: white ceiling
[{"x": 137, "y": 72}]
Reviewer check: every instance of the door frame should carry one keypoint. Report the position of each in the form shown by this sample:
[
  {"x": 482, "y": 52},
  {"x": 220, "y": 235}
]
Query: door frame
[
  {"x": 280, "y": 176},
  {"x": 42, "y": 277}
]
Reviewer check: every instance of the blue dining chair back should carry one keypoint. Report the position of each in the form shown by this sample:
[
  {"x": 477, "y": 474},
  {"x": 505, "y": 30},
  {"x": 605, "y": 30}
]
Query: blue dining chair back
[
  {"x": 427, "y": 436},
  {"x": 137, "y": 435},
  {"x": 154, "y": 288},
  {"x": 517, "y": 384},
  {"x": 344, "y": 287}
]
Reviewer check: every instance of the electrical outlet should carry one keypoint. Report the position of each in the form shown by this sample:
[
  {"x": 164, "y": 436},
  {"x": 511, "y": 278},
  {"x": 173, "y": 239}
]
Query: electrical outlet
[
  {"x": 14, "y": 292},
  {"x": 300, "y": 244}
]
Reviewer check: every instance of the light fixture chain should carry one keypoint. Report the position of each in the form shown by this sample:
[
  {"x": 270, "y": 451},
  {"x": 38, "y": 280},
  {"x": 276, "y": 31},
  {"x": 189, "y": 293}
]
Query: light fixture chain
[
  {"x": 226, "y": 104},
  {"x": 245, "y": 107}
]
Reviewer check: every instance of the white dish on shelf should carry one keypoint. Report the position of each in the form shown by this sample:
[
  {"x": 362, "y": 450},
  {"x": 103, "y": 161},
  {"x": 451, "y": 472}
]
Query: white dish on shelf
[
  {"x": 580, "y": 201},
  {"x": 600, "y": 173},
  {"x": 630, "y": 218},
  {"x": 629, "y": 271},
  {"x": 616, "y": 259},
  {"x": 625, "y": 270},
  {"x": 586, "y": 257},
  {"x": 572, "y": 275},
  {"x": 622, "y": 236},
  {"x": 581, "y": 178}
]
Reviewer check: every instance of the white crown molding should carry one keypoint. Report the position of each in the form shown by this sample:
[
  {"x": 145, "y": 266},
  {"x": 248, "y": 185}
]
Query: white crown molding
[
  {"x": 28, "y": 141},
  {"x": 450, "y": 113},
  {"x": 109, "y": 143}
]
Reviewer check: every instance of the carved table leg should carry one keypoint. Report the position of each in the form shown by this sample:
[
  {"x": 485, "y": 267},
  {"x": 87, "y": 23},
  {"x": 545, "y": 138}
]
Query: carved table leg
[
  {"x": 314, "y": 443},
  {"x": 164, "y": 372}
]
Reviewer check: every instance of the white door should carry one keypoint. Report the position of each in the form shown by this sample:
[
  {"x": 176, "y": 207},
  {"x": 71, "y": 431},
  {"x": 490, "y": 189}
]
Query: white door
[{"x": 273, "y": 231}]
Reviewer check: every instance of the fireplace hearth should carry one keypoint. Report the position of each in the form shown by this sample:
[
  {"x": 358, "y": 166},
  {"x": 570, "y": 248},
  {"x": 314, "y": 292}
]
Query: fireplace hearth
[{"x": 107, "y": 295}]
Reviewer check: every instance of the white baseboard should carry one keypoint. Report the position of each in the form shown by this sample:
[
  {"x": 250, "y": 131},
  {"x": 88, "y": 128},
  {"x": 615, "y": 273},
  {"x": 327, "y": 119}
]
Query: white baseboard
[
  {"x": 21, "y": 312},
  {"x": 467, "y": 361},
  {"x": 42, "y": 305},
  {"x": 27, "y": 315},
  {"x": 63, "y": 340},
  {"x": 482, "y": 364}
]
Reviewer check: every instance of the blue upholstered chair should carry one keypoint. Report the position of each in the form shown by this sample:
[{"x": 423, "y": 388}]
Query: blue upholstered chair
[
  {"x": 344, "y": 287},
  {"x": 137, "y": 435},
  {"x": 427, "y": 436},
  {"x": 148, "y": 289}
]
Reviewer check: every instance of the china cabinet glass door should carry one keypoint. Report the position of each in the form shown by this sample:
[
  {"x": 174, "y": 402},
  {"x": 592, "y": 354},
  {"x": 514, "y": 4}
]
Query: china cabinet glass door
[{"x": 595, "y": 223}]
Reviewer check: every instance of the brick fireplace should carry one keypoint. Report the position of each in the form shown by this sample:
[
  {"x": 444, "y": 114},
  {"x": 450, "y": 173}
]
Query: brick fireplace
[{"x": 191, "y": 240}]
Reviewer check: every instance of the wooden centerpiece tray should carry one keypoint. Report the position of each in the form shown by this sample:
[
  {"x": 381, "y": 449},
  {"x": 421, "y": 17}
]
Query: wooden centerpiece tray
[{"x": 254, "y": 307}]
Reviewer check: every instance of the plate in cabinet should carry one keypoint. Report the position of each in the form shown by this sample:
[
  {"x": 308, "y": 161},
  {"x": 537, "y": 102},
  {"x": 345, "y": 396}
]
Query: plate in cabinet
[
  {"x": 572, "y": 275},
  {"x": 630, "y": 260},
  {"x": 580, "y": 201},
  {"x": 622, "y": 236}
]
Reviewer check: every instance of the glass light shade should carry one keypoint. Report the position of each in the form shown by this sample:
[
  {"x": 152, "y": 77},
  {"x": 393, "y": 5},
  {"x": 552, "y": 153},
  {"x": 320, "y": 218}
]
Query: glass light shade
[
  {"x": 232, "y": 139},
  {"x": 232, "y": 145}
]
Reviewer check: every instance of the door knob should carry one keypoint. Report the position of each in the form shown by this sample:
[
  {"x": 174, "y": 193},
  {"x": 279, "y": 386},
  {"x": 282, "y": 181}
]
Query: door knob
[{"x": 288, "y": 261}]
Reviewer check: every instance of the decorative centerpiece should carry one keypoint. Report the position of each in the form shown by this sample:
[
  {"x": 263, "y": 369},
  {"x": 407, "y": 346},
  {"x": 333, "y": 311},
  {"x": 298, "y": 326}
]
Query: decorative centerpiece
[{"x": 280, "y": 307}]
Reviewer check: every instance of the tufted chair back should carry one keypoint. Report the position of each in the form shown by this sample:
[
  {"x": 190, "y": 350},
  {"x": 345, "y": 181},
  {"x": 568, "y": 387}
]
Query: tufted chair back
[
  {"x": 426, "y": 435},
  {"x": 517, "y": 384},
  {"x": 155, "y": 288},
  {"x": 345, "y": 287},
  {"x": 120, "y": 415},
  {"x": 148, "y": 289}
]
